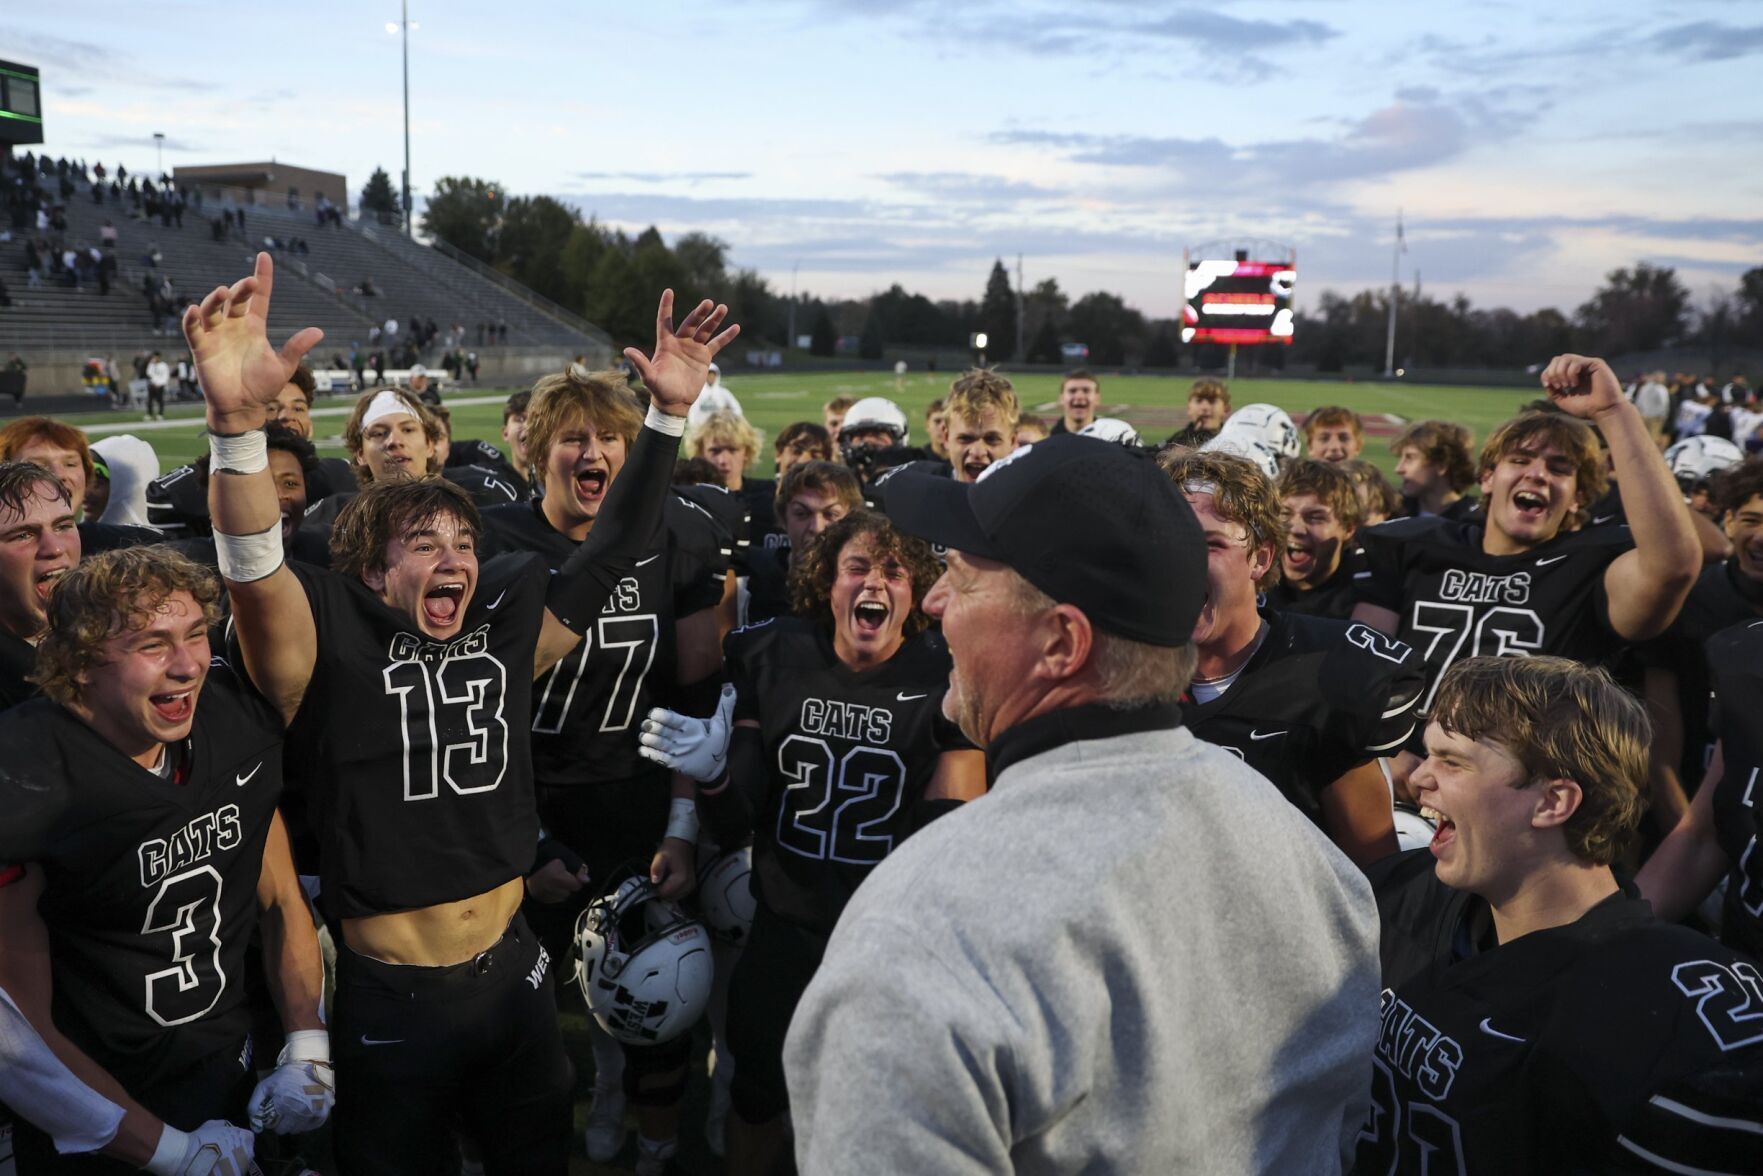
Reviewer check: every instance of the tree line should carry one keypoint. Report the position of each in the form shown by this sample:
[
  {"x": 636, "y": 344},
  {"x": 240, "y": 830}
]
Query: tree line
[{"x": 610, "y": 277}]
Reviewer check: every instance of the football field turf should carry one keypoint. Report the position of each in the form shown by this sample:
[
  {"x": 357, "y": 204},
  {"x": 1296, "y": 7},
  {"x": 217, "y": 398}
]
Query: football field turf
[{"x": 1153, "y": 404}]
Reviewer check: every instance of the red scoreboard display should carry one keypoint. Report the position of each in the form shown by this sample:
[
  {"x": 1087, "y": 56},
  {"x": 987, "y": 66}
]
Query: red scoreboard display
[{"x": 1238, "y": 301}]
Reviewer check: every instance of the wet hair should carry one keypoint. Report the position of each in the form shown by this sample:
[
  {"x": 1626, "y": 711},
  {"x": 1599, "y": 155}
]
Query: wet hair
[
  {"x": 811, "y": 579},
  {"x": 805, "y": 434},
  {"x": 21, "y": 481},
  {"x": 1573, "y": 437},
  {"x": 562, "y": 399},
  {"x": 385, "y": 512},
  {"x": 822, "y": 477}
]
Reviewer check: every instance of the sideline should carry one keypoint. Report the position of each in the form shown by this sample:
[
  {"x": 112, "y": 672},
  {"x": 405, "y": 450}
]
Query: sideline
[{"x": 186, "y": 422}]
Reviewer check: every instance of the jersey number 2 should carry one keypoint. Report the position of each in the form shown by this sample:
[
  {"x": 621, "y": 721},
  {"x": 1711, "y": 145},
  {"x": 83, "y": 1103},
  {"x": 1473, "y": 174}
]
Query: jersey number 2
[
  {"x": 838, "y": 809},
  {"x": 187, "y": 908}
]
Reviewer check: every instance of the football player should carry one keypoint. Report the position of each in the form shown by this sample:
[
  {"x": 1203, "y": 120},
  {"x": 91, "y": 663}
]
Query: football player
[
  {"x": 1309, "y": 702},
  {"x": 1320, "y": 511},
  {"x": 1080, "y": 400},
  {"x": 1537, "y": 1016},
  {"x": 1718, "y": 835},
  {"x": 839, "y": 750},
  {"x": 1208, "y": 404},
  {"x": 810, "y": 498},
  {"x": 729, "y": 443},
  {"x": 1435, "y": 465},
  {"x": 514, "y": 432},
  {"x": 477, "y": 465},
  {"x": 981, "y": 414},
  {"x": 39, "y": 544},
  {"x": 1334, "y": 433},
  {"x": 143, "y": 841},
  {"x": 1518, "y": 580},
  {"x": 800, "y": 442},
  {"x": 406, "y": 676},
  {"x": 601, "y": 804}
]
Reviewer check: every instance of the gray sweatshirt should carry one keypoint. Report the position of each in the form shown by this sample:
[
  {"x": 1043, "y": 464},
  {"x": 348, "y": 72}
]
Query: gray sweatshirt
[{"x": 1133, "y": 955}]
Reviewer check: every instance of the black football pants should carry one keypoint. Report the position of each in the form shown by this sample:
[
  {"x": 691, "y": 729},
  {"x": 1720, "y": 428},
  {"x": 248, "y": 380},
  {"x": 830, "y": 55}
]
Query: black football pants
[
  {"x": 778, "y": 961},
  {"x": 420, "y": 1050}
]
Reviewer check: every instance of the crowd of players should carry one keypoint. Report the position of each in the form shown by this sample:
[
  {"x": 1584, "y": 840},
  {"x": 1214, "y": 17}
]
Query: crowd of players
[{"x": 1519, "y": 690}]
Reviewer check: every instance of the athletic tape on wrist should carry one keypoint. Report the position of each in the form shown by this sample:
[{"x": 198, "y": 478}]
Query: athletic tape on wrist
[
  {"x": 246, "y": 558},
  {"x": 673, "y": 426},
  {"x": 168, "y": 1156},
  {"x": 242, "y": 453},
  {"x": 682, "y": 819},
  {"x": 306, "y": 1045}
]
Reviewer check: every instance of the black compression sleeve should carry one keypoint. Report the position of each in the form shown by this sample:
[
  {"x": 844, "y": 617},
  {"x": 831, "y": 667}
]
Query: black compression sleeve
[
  {"x": 628, "y": 518},
  {"x": 730, "y": 812}
]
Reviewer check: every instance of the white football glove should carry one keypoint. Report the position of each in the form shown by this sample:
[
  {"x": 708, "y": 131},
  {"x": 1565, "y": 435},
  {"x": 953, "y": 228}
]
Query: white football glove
[
  {"x": 691, "y": 746},
  {"x": 217, "y": 1148},
  {"x": 298, "y": 1094}
]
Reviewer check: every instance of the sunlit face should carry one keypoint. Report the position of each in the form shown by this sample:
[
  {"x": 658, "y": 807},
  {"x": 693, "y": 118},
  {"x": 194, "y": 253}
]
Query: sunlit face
[
  {"x": 1477, "y": 793},
  {"x": 977, "y": 441},
  {"x": 292, "y": 410},
  {"x": 143, "y": 692},
  {"x": 430, "y": 574},
  {"x": 1233, "y": 566},
  {"x": 1315, "y": 539},
  {"x": 67, "y": 466},
  {"x": 397, "y": 449},
  {"x": 1334, "y": 443},
  {"x": 1419, "y": 476},
  {"x": 796, "y": 452},
  {"x": 1529, "y": 495},
  {"x": 871, "y": 599},
  {"x": 729, "y": 459},
  {"x": 1078, "y": 400},
  {"x": 1207, "y": 412},
  {"x": 974, "y": 600},
  {"x": 37, "y": 548},
  {"x": 290, "y": 489},
  {"x": 579, "y": 467},
  {"x": 1744, "y": 527},
  {"x": 807, "y": 514}
]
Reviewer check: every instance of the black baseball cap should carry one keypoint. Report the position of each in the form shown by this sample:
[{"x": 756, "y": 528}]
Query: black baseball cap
[{"x": 1088, "y": 522}]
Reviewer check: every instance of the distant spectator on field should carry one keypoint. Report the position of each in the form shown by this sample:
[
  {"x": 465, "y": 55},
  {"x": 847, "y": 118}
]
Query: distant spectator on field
[
  {"x": 1080, "y": 400},
  {"x": 1436, "y": 466},
  {"x": 833, "y": 414},
  {"x": 1208, "y": 403},
  {"x": 800, "y": 442},
  {"x": 1378, "y": 500},
  {"x": 936, "y": 426},
  {"x": 1334, "y": 433},
  {"x": 423, "y": 387},
  {"x": 158, "y": 376},
  {"x": 1653, "y": 399},
  {"x": 16, "y": 368},
  {"x": 1031, "y": 429}
]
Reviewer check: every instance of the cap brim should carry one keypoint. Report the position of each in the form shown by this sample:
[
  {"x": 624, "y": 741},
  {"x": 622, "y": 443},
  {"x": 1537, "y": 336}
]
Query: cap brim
[{"x": 938, "y": 510}]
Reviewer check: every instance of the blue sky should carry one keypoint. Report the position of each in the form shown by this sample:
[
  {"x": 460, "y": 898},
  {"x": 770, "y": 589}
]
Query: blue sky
[{"x": 1531, "y": 146}]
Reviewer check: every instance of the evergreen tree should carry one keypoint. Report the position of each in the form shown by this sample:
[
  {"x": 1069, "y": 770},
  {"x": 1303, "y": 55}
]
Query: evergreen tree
[
  {"x": 825, "y": 335},
  {"x": 997, "y": 313},
  {"x": 378, "y": 195}
]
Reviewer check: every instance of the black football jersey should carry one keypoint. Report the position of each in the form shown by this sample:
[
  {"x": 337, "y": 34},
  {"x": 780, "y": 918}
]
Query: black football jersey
[
  {"x": 177, "y": 503},
  {"x": 1616, "y": 1043},
  {"x": 586, "y": 707},
  {"x": 411, "y": 752},
  {"x": 1319, "y": 698},
  {"x": 729, "y": 513},
  {"x": 848, "y": 755},
  {"x": 1735, "y": 656},
  {"x": 150, "y": 893},
  {"x": 485, "y": 456},
  {"x": 17, "y": 660},
  {"x": 760, "y": 495},
  {"x": 1333, "y": 598},
  {"x": 1456, "y": 601},
  {"x": 768, "y": 585}
]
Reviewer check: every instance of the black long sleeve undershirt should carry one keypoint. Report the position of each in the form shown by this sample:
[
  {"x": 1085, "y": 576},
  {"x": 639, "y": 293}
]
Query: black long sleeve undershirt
[{"x": 627, "y": 519}]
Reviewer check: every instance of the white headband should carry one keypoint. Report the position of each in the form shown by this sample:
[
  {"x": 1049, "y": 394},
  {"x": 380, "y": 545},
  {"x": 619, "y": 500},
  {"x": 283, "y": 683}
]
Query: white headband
[
  {"x": 387, "y": 403},
  {"x": 1195, "y": 486}
]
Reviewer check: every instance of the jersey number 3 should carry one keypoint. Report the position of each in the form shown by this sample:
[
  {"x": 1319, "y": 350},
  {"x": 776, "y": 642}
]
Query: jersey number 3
[
  {"x": 187, "y": 909},
  {"x": 452, "y": 724}
]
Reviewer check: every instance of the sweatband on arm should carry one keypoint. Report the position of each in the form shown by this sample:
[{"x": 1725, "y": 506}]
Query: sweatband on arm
[
  {"x": 246, "y": 558},
  {"x": 39, "y": 1086},
  {"x": 238, "y": 453},
  {"x": 682, "y": 819}
]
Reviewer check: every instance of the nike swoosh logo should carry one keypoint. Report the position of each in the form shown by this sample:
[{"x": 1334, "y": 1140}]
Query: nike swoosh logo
[
  {"x": 1600, "y": 520},
  {"x": 241, "y": 781},
  {"x": 366, "y": 1040},
  {"x": 650, "y": 560},
  {"x": 1258, "y": 735},
  {"x": 498, "y": 599},
  {"x": 909, "y": 697},
  {"x": 1487, "y": 1027},
  {"x": 1543, "y": 563}
]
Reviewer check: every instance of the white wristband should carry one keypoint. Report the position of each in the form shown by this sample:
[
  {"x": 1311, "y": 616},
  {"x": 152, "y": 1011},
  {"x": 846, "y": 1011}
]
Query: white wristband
[
  {"x": 245, "y": 453},
  {"x": 244, "y": 559},
  {"x": 661, "y": 422},
  {"x": 306, "y": 1045},
  {"x": 682, "y": 819},
  {"x": 168, "y": 1156}
]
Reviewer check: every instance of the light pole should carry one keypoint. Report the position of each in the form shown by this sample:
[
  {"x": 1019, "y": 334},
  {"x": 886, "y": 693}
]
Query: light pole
[
  {"x": 979, "y": 342},
  {"x": 159, "y": 147},
  {"x": 403, "y": 28},
  {"x": 791, "y": 341}
]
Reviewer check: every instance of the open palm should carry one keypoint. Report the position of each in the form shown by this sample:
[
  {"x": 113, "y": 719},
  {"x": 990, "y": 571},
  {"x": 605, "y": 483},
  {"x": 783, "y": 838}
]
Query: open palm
[
  {"x": 675, "y": 374},
  {"x": 228, "y": 333}
]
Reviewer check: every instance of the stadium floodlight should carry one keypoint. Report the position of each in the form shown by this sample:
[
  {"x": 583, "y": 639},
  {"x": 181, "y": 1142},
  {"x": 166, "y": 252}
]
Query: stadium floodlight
[
  {"x": 402, "y": 29},
  {"x": 977, "y": 341},
  {"x": 159, "y": 146}
]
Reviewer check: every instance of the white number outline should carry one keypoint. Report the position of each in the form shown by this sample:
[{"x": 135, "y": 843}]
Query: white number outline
[
  {"x": 868, "y": 788},
  {"x": 1710, "y": 982},
  {"x": 579, "y": 657},
  {"x": 827, "y": 842},
  {"x": 475, "y": 697},
  {"x": 183, "y": 925},
  {"x": 1513, "y": 642}
]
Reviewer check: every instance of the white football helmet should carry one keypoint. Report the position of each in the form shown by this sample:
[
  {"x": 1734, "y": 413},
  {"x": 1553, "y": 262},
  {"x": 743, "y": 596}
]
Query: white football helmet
[
  {"x": 1112, "y": 429},
  {"x": 1413, "y": 831},
  {"x": 644, "y": 967},
  {"x": 725, "y": 896},
  {"x": 1696, "y": 459},
  {"x": 1249, "y": 449},
  {"x": 1268, "y": 424},
  {"x": 875, "y": 412}
]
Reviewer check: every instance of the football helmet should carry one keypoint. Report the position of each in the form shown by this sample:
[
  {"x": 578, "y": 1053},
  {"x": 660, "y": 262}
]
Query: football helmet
[
  {"x": 875, "y": 412},
  {"x": 1112, "y": 429},
  {"x": 1268, "y": 424},
  {"x": 643, "y": 967},
  {"x": 1413, "y": 831},
  {"x": 725, "y": 896},
  {"x": 1249, "y": 449},
  {"x": 1696, "y": 459}
]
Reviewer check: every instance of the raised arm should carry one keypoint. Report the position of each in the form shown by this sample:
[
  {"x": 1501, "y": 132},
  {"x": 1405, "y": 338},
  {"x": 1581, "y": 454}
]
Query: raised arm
[
  {"x": 1646, "y": 586},
  {"x": 673, "y": 376},
  {"x": 241, "y": 374}
]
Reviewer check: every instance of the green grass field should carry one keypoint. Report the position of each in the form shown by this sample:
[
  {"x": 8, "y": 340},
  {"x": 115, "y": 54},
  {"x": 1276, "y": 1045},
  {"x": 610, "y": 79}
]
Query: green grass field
[{"x": 1154, "y": 404}]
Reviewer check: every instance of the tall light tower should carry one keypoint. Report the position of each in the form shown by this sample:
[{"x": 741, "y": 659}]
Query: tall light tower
[
  {"x": 159, "y": 147},
  {"x": 403, "y": 28}
]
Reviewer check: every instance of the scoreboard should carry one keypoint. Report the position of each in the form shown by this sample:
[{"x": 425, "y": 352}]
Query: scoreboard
[
  {"x": 21, "y": 105},
  {"x": 1238, "y": 301}
]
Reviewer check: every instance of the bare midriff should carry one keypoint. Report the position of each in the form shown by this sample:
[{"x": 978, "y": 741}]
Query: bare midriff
[{"x": 436, "y": 936}]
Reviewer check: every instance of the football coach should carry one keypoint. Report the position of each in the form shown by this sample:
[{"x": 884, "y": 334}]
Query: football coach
[{"x": 1132, "y": 954}]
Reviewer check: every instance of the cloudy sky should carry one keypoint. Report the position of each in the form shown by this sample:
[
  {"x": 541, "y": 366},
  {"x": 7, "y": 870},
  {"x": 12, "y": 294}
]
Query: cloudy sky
[{"x": 1531, "y": 146}]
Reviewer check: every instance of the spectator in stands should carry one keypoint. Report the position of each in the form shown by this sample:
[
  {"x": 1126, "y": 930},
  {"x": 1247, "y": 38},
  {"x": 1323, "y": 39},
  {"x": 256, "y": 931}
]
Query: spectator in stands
[
  {"x": 16, "y": 368},
  {"x": 107, "y": 233},
  {"x": 33, "y": 260},
  {"x": 1208, "y": 403},
  {"x": 59, "y": 448},
  {"x": 366, "y": 288},
  {"x": 1334, "y": 433},
  {"x": 389, "y": 331},
  {"x": 800, "y": 442},
  {"x": 1435, "y": 465},
  {"x": 158, "y": 376},
  {"x": 502, "y": 331}
]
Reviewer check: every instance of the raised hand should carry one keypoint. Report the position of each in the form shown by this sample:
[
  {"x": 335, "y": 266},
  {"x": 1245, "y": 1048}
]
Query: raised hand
[
  {"x": 1583, "y": 386},
  {"x": 675, "y": 374},
  {"x": 228, "y": 333}
]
